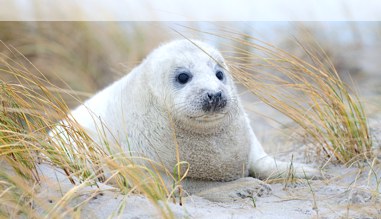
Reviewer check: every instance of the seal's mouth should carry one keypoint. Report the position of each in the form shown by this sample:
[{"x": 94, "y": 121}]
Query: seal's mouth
[{"x": 209, "y": 117}]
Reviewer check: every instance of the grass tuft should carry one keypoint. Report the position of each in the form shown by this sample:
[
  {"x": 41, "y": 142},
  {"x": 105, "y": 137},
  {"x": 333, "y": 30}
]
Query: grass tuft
[{"x": 310, "y": 92}]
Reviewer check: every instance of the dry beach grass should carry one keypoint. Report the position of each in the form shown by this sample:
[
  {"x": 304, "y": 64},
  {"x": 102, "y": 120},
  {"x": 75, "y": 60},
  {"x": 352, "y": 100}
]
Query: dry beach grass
[{"x": 309, "y": 91}]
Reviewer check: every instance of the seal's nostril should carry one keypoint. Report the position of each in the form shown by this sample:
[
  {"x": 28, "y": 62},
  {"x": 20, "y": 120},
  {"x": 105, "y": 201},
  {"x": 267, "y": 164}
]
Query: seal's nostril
[{"x": 210, "y": 96}]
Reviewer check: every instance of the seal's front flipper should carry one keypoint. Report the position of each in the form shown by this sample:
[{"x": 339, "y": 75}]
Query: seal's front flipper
[
  {"x": 263, "y": 166},
  {"x": 267, "y": 167}
]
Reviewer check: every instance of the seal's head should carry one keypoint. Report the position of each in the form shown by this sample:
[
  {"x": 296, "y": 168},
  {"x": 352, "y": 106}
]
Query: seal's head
[{"x": 192, "y": 80}]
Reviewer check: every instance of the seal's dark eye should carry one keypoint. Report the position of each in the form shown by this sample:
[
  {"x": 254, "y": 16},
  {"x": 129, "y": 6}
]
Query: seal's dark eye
[
  {"x": 183, "y": 78},
  {"x": 220, "y": 75}
]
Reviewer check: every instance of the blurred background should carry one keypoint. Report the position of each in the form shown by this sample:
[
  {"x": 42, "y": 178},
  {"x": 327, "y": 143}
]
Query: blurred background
[{"x": 76, "y": 53}]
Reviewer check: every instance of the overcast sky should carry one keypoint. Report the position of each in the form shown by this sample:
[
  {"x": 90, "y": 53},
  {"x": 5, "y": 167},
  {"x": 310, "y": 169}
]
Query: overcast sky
[{"x": 191, "y": 10}]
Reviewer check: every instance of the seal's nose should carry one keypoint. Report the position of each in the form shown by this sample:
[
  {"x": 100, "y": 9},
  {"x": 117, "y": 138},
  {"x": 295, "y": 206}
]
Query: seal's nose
[
  {"x": 214, "y": 96},
  {"x": 214, "y": 101}
]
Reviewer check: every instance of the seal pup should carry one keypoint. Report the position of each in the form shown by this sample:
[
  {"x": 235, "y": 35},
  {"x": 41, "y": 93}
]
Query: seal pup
[{"x": 182, "y": 95}]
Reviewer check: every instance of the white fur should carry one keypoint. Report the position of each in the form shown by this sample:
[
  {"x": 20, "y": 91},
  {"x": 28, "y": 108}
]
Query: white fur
[{"x": 144, "y": 109}]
